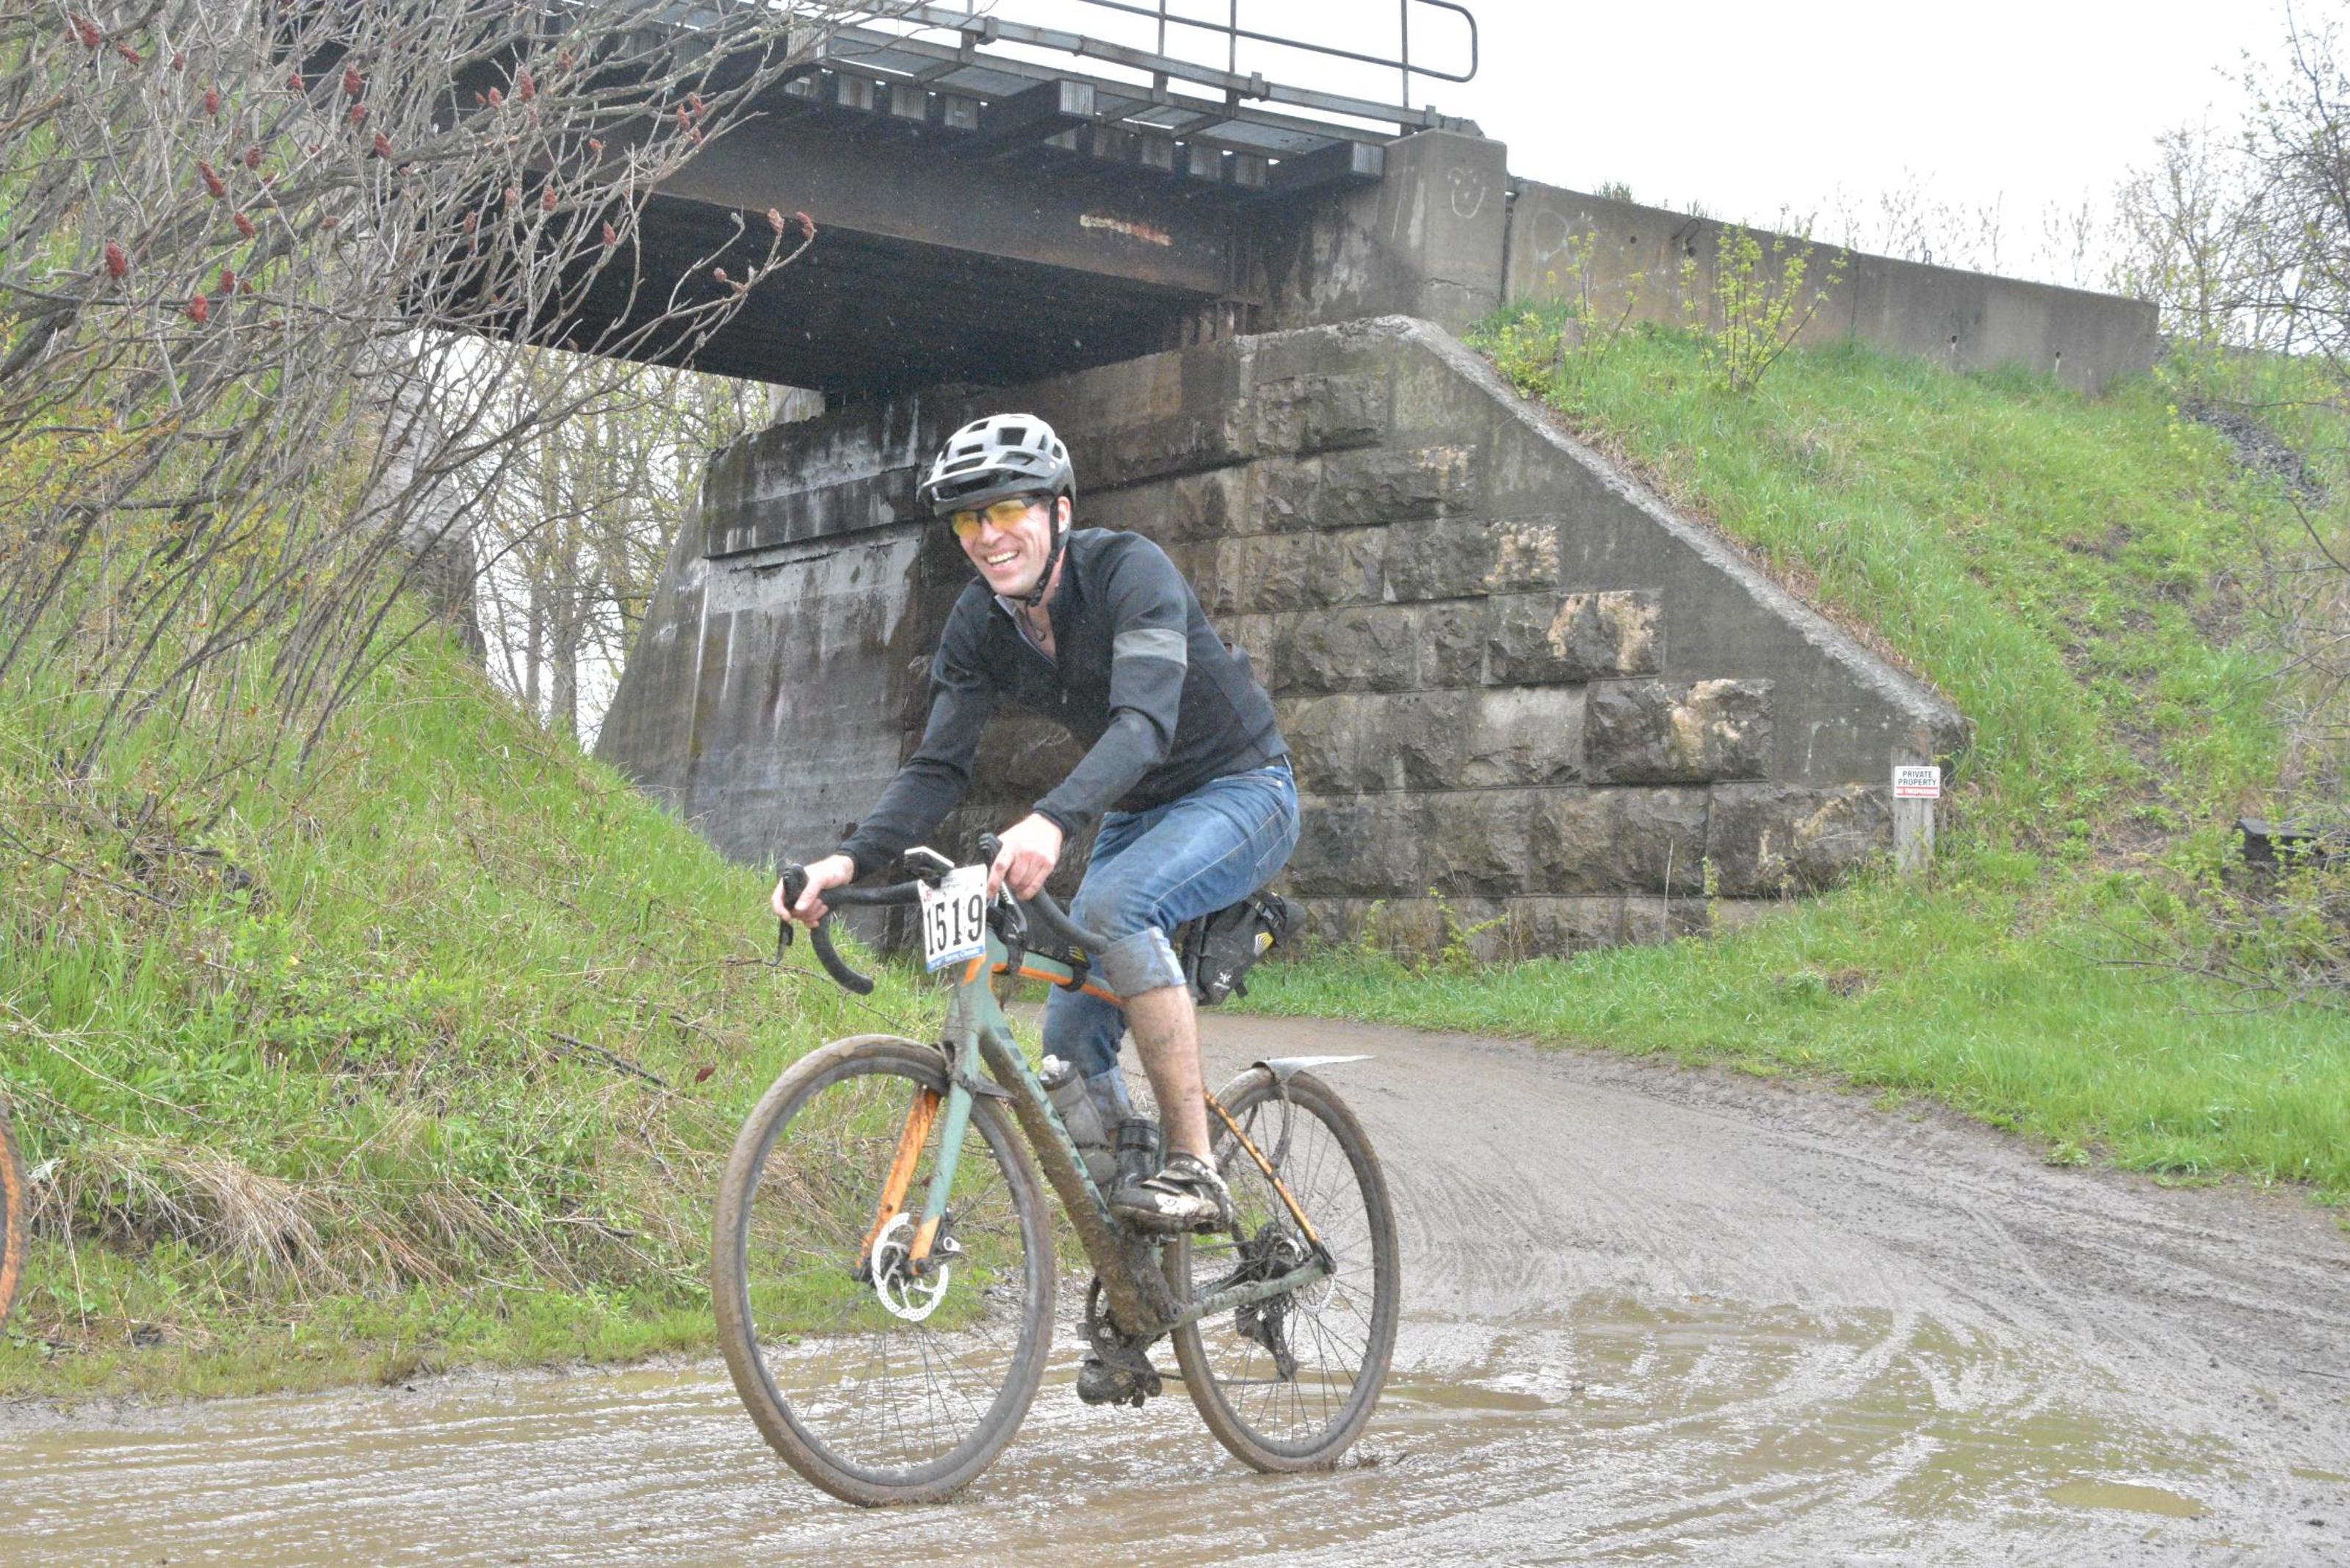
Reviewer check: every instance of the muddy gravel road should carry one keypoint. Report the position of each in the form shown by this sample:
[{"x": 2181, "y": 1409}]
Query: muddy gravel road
[{"x": 1651, "y": 1315}]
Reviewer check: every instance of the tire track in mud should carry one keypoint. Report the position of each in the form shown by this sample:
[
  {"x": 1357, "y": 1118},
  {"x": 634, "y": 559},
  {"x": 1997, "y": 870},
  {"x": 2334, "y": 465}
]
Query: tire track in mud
[{"x": 1649, "y": 1313}]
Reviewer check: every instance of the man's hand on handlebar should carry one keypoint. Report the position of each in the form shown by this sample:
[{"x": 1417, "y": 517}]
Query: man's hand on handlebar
[
  {"x": 1028, "y": 851},
  {"x": 823, "y": 876}
]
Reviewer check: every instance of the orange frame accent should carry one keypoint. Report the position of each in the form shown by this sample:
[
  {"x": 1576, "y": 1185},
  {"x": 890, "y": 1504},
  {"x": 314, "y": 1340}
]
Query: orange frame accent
[
  {"x": 919, "y": 1117},
  {"x": 1265, "y": 1166},
  {"x": 1088, "y": 987}
]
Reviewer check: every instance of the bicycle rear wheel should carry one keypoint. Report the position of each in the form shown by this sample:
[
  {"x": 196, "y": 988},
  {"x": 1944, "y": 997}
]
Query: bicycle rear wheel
[
  {"x": 877, "y": 1384},
  {"x": 15, "y": 1227},
  {"x": 1288, "y": 1384}
]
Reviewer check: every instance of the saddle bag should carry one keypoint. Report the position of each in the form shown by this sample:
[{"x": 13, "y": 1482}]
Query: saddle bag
[{"x": 1220, "y": 948}]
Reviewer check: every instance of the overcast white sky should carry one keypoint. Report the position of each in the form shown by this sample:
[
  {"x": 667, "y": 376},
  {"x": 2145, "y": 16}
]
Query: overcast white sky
[{"x": 1752, "y": 108}]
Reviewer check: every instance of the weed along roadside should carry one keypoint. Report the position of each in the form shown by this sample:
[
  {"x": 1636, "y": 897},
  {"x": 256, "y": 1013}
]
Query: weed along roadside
[{"x": 425, "y": 1057}]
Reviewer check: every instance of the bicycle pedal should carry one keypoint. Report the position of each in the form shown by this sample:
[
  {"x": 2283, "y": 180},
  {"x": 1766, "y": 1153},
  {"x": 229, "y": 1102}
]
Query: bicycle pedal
[{"x": 1102, "y": 1382}]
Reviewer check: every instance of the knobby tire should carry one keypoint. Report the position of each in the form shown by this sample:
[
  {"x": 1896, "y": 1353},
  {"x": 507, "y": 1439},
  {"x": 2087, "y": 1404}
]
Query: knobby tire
[
  {"x": 870, "y": 1407},
  {"x": 1339, "y": 1333},
  {"x": 15, "y": 1226}
]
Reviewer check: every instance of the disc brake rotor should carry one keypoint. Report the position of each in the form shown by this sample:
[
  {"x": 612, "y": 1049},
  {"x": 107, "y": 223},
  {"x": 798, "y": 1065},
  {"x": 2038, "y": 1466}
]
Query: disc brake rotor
[{"x": 895, "y": 1285}]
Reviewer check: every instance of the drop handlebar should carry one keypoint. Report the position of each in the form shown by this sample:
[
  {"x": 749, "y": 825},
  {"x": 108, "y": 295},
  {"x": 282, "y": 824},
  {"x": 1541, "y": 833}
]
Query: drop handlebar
[{"x": 1048, "y": 913}]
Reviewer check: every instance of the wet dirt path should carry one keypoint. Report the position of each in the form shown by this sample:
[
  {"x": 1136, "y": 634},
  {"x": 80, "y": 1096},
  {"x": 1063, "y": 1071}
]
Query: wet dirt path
[{"x": 1651, "y": 1315}]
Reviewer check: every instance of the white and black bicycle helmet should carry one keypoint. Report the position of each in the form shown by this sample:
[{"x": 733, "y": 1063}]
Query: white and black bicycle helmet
[{"x": 999, "y": 456}]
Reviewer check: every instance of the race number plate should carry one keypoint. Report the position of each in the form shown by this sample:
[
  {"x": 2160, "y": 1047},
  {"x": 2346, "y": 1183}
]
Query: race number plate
[{"x": 954, "y": 916}]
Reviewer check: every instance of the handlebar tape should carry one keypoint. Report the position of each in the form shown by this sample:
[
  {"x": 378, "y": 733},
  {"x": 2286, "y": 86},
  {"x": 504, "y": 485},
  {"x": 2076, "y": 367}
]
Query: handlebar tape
[{"x": 820, "y": 938}]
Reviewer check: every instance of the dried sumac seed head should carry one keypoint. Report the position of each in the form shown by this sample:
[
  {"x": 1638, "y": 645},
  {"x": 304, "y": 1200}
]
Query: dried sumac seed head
[
  {"x": 244, "y": 226},
  {"x": 473, "y": 222},
  {"x": 127, "y": 53},
  {"x": 227, "y": 281},
  {"x": 524, "y": 88},
  {"x": 213, "y": 101},
  {"x": 497, "y": 98},
  {"x": 513, "y": 196},
  {"x": 353, "y": 83},
  {"x": 117, "y": 263},
  {"x": 295, "y": 81},
  {"x": 382, "y": 146},
  {"x": 719, "y": 274},
  {"x": 611, "y": 236},
  {"x": 199, "y": 309},
  {"x": 253, "y": 156},
  {"x": 212, "y": 182},
  {"x": 807, "y": 223},
  {"x": 596, "y": 144},
  {"x": 87, "y": 31},
  {"x": 776, "y": 220},
  {"x": 548, "y": 201}
]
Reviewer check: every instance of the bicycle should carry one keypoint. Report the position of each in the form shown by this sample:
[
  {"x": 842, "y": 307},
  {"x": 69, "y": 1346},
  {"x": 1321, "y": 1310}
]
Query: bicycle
[
  {"x": 14, "y": 1229},
  {"x": 888, "y": 1346}
]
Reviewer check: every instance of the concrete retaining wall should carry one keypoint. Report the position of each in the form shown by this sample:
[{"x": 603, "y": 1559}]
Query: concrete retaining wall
[
  {"x": 1509, "y": 675},
  {"x": 1620, "y": 257}
]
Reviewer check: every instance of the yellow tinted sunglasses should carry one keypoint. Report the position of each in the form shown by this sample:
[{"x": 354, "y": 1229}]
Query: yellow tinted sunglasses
[{"x": 1003, "y": 513}]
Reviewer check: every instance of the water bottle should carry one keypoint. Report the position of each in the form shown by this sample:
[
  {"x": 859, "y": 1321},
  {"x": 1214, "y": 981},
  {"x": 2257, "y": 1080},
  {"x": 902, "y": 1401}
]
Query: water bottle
[{"x": 1082, "y": 1115}]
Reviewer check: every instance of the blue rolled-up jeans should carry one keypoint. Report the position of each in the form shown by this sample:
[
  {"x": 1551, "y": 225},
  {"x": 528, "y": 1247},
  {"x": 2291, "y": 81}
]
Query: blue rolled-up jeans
[{"x": 1151, "y": 871}]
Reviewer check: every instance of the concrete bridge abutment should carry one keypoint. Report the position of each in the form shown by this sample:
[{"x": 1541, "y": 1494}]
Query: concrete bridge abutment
[{"x": 1525, "y": 698}]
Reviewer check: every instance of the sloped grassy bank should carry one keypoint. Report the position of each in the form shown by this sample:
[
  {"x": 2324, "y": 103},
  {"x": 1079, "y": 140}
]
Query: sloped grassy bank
[
  {"x": 2068, "y": 570},
  {"x": 426, "y": 1055}
]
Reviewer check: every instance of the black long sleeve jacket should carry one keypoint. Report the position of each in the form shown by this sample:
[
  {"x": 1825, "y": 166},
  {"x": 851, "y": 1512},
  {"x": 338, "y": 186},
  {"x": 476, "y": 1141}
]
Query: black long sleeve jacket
[{"x": 1139, "y": 676}]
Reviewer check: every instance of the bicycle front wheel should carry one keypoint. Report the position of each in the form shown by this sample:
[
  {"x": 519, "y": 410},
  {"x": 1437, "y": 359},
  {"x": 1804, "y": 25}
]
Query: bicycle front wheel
[
  {"x": 876, "y": 1381},
  {"x": 1288, "y": 1384},
  {"x": 15, "y": 1227}
]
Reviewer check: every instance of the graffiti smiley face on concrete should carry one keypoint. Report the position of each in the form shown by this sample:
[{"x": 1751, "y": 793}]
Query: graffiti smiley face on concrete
[{"x": 1469, "y": 189}]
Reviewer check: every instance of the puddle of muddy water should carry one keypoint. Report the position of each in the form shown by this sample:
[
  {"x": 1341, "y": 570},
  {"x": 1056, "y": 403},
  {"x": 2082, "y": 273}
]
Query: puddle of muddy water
[
  {"x": 2125, "y": 1496},
  {"x": 1973, "y": 1333},
  {"x": 1616, "y": 1429}
]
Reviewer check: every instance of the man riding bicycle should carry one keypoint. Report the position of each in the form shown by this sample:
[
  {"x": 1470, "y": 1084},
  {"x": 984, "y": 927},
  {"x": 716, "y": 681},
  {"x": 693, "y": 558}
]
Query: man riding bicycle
[{"x": 1186, "y": 773}]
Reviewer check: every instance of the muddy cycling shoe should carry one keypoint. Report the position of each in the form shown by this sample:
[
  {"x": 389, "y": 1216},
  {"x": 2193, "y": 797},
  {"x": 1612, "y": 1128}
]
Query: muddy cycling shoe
[{"x": 1187, "y": 1195}]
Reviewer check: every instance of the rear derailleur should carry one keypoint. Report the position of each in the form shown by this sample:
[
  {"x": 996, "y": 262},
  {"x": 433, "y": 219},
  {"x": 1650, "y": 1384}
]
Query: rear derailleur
[{"x": 1268, "y": 1255}]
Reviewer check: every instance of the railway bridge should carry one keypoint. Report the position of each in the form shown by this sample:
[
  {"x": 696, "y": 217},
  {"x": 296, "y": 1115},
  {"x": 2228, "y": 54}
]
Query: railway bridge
[{"x": 1527, "y": 700}]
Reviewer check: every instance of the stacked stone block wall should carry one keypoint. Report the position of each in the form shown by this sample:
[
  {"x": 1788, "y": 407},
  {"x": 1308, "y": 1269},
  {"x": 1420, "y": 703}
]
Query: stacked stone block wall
[{"x": 1530, "y": 709}]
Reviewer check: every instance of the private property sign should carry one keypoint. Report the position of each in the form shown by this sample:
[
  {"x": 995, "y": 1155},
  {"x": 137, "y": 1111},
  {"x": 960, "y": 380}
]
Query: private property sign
[{"x": 1917, "y": 782}]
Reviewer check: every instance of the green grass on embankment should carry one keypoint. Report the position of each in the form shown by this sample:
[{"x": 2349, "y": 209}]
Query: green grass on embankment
[
  {"x": 2065, "y": 569},
  {"x": 350, "y": 1081},
  {"x": 305, "y": 1107}
]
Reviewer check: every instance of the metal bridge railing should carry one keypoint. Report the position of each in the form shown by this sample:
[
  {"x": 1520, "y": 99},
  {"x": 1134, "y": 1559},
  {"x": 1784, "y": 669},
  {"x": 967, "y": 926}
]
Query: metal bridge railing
[
  {"x": 987, "y": 27},
  {"x": 1231, "y": 30}
]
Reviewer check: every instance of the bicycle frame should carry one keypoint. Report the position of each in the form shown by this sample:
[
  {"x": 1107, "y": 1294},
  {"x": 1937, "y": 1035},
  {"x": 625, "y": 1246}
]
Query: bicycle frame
[{"x": 1140, "y": 1302}]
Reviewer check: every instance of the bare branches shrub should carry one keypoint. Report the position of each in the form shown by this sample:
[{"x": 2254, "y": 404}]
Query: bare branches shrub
[{"x": 262, "y": 267}]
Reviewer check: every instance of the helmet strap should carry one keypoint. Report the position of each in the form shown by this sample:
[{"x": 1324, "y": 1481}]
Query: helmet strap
[{"x": 1034, "y": 598}]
